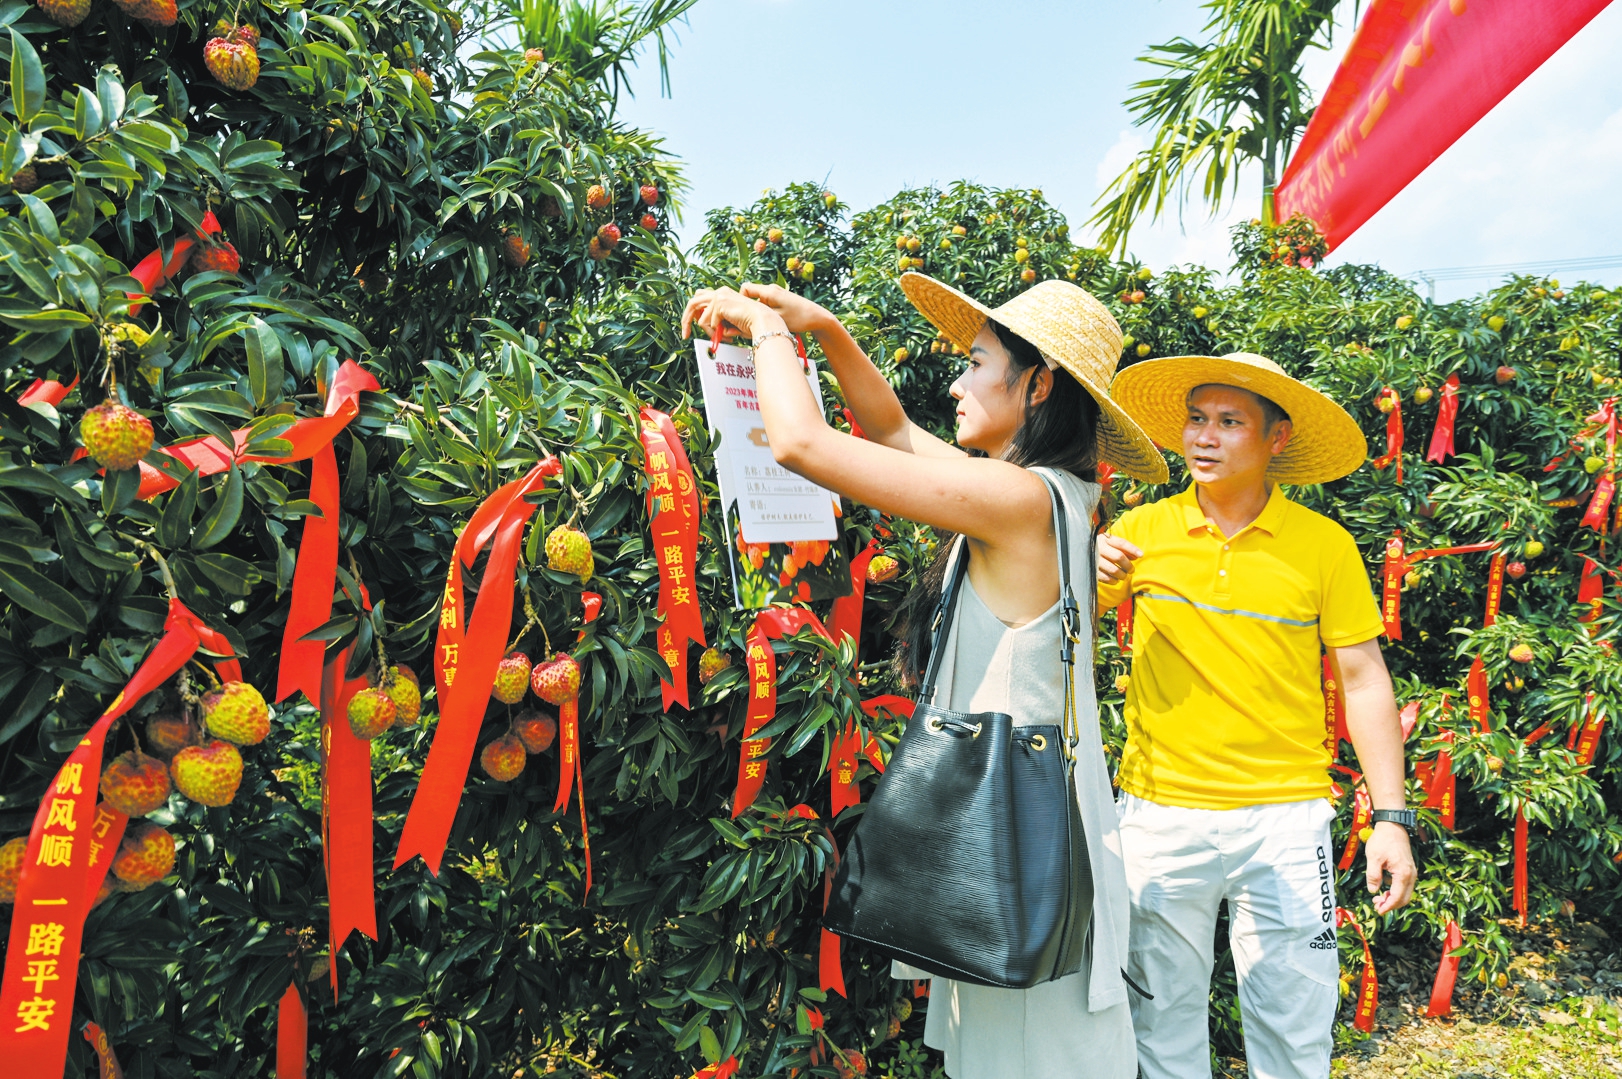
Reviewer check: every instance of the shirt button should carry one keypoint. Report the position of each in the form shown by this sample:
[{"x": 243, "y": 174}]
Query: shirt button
[
  {"x": 1222, "y": 573},
  {"x": 1224, "y": 546}
]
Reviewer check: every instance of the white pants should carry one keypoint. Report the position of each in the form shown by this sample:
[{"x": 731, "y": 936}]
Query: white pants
[{"x": 1275, "y": 867}]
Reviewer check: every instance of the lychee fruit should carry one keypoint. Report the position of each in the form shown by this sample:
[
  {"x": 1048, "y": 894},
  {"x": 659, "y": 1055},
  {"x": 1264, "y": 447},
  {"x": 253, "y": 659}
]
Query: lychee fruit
[
  {"x": 402, "y": 671},
  {"x": 146, "y": 856},
  {"x": 650, "y": 195},
  {"x": 651, "y": 223},
  {"x": 1495, "y": 323},
  {"x": 512, "y": 678},
  {"x": 234, "y": 62},
  {"x": 882, "y": 568},
  {"x": 515, "y": 249},
  {"x": 534, "y": 56},
  {"x": 1387, "y": 401},
  {"x": 1134, "y": 497},
  {"x": 597, "y": 197},
  {"x": 536, "y": 730},
  {"x": 595, "y": 250},
  {"x": 371, "y": 712},
  {"x": 167, "y": 735},
  {"x": 853, "y": 1066},
  {"x": 1423, "y": 395},
  {"x": 68, "y": 13},
  {"x": 1516, "y": 570},
  {"x": 247, "y": 33},
  {"x": 424, "y": 80},
  {"x": 556, "y": 680},
  {"x": 568, "y": 550},
  {"x": 115, "y": 435},
  {"x": 237, "y": 713},
  {"x": 1495, "y": 765},
  {"x": 407, "y": 698},
  {"x": 1404, "y": 321},
  {"x": 1505, "y": 374},
  {"x": 901, "y": 355},
  {"x": 216, "y": 255},
  {"x": 11, "y": 867},
  {"x": 1143, "y": 348},
  {"x": 774, "y": 235},
  {"x": 1533, "y": 548},
  {"x": 135, "y": 784},
  {"x": 1521, "y": 653},
  {"x": 503, "y": 759},
  {"x": 711, "y": 662},
  {"x": 609, "y": 235},
  {"x": 208, "y": 775},
  {"x": 156, "y": 12},
  {"x": 1122, "y": 682}
]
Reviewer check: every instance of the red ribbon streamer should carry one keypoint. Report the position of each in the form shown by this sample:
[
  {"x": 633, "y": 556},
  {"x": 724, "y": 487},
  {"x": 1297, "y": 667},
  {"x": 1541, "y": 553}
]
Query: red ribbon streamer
[
  {"x": 292, "y": 1035},
  {"x": 1362, "y": 813},
  {"x": 346, "y": 814},
  {"x": 1475, "y": 688},
  {"x": 1441, "y": 786},
  {"x": 1519, "y": 890},
  {"x": 1393, "y": 433},
  {"x": 466, "y": 655},
  {"x": 724, "y": 1070},
  {"x": 1397, "y": 563},
  {"x": 1599, "y": 506},
  {"x": 1334, "y": 710},
  {"x": 1368, "y": 990},
  {"x": 1123, "y": 626},
  {"x": 107, "y": 1066},
  {"x": 673, "y": 516},
  {"x": 1590, "y": 591},
  {"x": 1447, "y": 415},
  {"x": 62, "y": 868},
  {"x": 1447, "y": 972},
  {"x": 154, "y": 271},
  {"x": 1588, "y": 734},
  {"x": 50, "y": 392},
  {"x": 769, "y": 625}
]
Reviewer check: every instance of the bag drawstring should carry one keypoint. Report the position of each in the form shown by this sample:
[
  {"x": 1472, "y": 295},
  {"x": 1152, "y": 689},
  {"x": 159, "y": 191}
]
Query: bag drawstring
[{"x": 1136, "y": 988}]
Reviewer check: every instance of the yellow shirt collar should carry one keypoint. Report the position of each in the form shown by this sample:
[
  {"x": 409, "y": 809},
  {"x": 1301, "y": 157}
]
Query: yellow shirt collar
[{"x": 1269, "y": 520}]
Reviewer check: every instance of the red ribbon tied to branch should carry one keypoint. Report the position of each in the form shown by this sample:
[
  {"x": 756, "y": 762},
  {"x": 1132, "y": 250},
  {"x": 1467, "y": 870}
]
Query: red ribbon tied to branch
[
  {"x": 673, "y": 518},
  {"x": 466, "y": 654},
  {"x": 69, "y": 851},
  {"x": 1447, "y": 415},
  {"x": 1605, "y": 490},
  {"x": 1368, "y": 989},
  {"x": 346, "y": 813},
  {"x": 1447, "y": 973},
  {"x": 1398, "y": 562},
  {"x": 1393, "y": 432}
]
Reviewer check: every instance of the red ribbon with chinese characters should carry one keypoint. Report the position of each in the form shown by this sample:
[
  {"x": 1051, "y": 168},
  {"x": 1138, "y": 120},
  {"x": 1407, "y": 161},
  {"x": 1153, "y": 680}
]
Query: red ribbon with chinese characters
[
  {"x": 1368, "y": 989},
  {"x": 1587, "y": 734},
  {"x": 769, "y": 625},
  {"x": 346, "y": 813},
  {"x": 1334, "y": 710},
  {"x": 62, "y": 869},
  {"x": 107, "y": 1066},
  {"x": 1397, "y": 563},
  {"x": 1441, "y": 786},
  {"x": 1599, "y": 506},
  {"x": 570, "y": 767},
  {"x": 1590, "y": 591},
  {"x": 466, "y": 654},
  {"x": 1518, "y": 889},
  {"x": 1447, "y": 414},
  {"x": 1362, "y": 814},
  {"x": 1447, "y": 973},
  {"x": 1393, "y": 433},
  {"x": 673, "y": 517},
  {"x": 292, "y": 1035}
]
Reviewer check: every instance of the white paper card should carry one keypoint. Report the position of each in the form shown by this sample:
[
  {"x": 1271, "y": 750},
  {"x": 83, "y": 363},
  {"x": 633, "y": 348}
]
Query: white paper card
[{"x": 774, "y": 505}]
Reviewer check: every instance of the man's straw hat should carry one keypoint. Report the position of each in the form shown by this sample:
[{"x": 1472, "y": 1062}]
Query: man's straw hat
[
  {"x": 1326, "y": 442},
  {"x": 1071, "y": 330}
]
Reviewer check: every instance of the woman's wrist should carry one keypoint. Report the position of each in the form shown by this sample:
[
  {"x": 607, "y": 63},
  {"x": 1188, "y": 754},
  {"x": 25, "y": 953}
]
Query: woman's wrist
[{"x": 768, "y": 321}]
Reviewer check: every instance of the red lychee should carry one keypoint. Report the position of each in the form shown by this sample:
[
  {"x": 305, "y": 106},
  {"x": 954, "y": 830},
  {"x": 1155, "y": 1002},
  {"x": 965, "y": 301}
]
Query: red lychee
[
  {"x": 597, "y": 197},
  {"x": 216, "y": 255},
  {"x": 146, "y": 856},
  {"x": 556, "y": 680},
  {"x": 512, "y": 678},
  {"x": 116, "y": 436},
  {"x": 208, "y": 775},
  {"x": 504, "y": 758},
  {"x": 371, "y": 712},
  {"x": 650, "y": 194},
  {"x": 67, "y": 13},
  {"x": 237, "y": 713},
  {"x": 711, "y": 662},
  {"x": 568, "y": 550},
  {"x": 167, "y": 735},
  {"x": 882, "y": 568},
  {"x": 155, "y": 12},
  {"x": 536, "y": 730},
  {"x": 609, "y": 235},
  {"x": 515, "y": 249},
  {"x": 233, "y": 61},
  {"x": 135, "y": 784}
]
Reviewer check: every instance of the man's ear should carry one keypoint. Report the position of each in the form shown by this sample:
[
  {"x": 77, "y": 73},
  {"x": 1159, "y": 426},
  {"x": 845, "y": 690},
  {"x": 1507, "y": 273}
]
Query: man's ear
[
  {"x": 1282, "y": 430},
  {"x": 1041, "y": 384}
]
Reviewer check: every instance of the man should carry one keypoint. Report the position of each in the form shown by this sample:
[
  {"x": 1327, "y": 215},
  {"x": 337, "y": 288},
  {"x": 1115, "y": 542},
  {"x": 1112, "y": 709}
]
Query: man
[{"x": 1224, "y": 779}]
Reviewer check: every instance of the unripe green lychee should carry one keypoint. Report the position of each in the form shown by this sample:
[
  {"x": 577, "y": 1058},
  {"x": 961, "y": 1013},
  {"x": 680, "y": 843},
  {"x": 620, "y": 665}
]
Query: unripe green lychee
[
  {"x": 512, "y": 678},
  {"x": 568, "y": 550},
  {"x": 371, "y": 712},
  {"x": 407, "y": 699},
  {"x": 208, "y": 775},
  {"x": 237, "y": 713}
]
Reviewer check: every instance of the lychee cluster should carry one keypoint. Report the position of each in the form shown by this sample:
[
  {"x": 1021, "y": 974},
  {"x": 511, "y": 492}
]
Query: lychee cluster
[
  {"x": 232, "y": 55},
  {"x": 396, "y": 699}
]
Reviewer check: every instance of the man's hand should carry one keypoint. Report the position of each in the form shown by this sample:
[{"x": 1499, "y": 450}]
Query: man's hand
[
  {"x": 1388, "y": 854},
  {"x": 1115, "y": 558}
]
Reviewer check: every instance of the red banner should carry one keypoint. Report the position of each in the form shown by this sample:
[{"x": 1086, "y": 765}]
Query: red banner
[
  {"x": 1590, "y": 591},
  {"x": 1418, "y": 74},
  {"x": 1597, "y": 514},
  {"x": 1397, "y": 563},
  {"x": 62, "y": 869},
  {"x": 292, "y": 1034},
  {"x": 1447, "y": 417},
  {"x": 1441, "y": 786},
  {"x": 466, "y": 654},
  {"x": 1368, "y": 989},
  {"x": 346, "y": 814},
  {"x": 769, "y": 625},
  {"x": 1588, "y": 738},
  {"x": 1447, "y": 973},
  {"x": 673, "y": 517},
  {"x": 1475, "y": 688}
]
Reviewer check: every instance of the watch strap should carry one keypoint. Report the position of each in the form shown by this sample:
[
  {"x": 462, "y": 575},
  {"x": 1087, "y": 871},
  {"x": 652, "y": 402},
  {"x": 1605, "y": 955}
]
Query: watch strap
[{"x": 1408, "y": 818}]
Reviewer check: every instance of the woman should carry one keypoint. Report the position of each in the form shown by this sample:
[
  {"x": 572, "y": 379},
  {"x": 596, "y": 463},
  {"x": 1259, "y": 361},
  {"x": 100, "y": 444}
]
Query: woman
[{"x": 1032, "y": 398}]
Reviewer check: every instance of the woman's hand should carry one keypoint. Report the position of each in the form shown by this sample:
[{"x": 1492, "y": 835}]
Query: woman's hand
[
  {"x": 725, "y": 312},
  {"x": 798, "y": 313}
]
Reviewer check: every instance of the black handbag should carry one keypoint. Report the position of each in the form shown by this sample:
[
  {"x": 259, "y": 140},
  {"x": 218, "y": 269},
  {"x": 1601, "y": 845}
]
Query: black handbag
[{"x": 969, "y": 860}]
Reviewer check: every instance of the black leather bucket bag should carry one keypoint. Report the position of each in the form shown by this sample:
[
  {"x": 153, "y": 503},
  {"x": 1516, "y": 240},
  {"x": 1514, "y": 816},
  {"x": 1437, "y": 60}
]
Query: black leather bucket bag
[{"x": 969, "y": 860}]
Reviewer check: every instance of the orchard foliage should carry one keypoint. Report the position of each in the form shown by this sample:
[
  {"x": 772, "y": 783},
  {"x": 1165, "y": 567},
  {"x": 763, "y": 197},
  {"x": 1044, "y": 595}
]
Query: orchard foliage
[{"x": 374, "y": 181}]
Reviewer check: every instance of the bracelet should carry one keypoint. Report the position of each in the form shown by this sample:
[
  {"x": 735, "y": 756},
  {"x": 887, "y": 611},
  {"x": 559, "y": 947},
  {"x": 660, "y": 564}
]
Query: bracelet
[{"x": 763, "y": 338}]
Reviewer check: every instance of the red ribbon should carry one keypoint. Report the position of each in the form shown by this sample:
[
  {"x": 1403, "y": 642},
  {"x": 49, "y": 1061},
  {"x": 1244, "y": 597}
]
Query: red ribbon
[
  {"x": 1123, "y": 626},
  {"x": 63, "y": 868},
  {"x": 1475, "y": 688},
  {"x": 1368, "y": 990},
  {"x": 1599, "y": 506},
  {"x": 1590, "y": 591},
  {"x": 1334, "y": 710},
  {"x": 724, "y": 1070},
  {"x": 292, "y": 1035},
  {"x": 1397, "y": 563},
  {"x": 1362, "y": 813},
  {"x": 107, "y": 1066},
  {"x": 346, "y": 813},
  {"x": 1588, "y": 734},
  {"x": 466, "y": 654},
  {"x": 1447, "y": 414},
  {"x": 154, "y": 271},
  {"x": 1393, "y": 433},
  {"x": 1441, "y": 786},
  {"x": 1518, "y": 892},
  {"x": 1447, "y": 972},
  {"x": 673, "y": 515},
  {"x": 50, "y": 392},
  {"x": 769, "y": 625}
]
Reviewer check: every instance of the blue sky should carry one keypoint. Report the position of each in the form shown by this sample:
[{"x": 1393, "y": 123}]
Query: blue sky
[{"x": 878, "y": 95}]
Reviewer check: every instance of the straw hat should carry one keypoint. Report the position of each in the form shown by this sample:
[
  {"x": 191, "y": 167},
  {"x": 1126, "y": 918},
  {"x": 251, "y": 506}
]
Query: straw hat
[
  {"x": 1326, "y": 442},
  {"x": 1071, "y": 330}
]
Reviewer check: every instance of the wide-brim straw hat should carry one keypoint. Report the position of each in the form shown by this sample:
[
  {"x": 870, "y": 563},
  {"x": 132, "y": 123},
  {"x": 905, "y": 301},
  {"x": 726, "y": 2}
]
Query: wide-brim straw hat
[
  {"x": 1071, "y": 330},
  {"x": 1325, "y": 443}
]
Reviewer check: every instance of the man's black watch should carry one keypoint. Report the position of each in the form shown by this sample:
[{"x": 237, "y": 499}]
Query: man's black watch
[{"x": 1408, "y": 818}]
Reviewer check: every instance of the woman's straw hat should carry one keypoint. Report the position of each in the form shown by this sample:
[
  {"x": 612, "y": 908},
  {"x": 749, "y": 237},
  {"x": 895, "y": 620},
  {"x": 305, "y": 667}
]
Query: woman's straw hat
[
  {"x": 1070, "y": 329},
  {"x": 1325, "y": 443}
]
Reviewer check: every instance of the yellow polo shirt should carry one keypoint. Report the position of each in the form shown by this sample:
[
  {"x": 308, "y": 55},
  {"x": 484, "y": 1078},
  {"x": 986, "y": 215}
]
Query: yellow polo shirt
[{"x": 1225, "y": 706}]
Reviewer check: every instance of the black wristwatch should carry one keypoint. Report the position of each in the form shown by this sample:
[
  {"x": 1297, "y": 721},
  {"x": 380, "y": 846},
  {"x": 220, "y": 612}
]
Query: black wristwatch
[{"x": 1408, "y": 818}]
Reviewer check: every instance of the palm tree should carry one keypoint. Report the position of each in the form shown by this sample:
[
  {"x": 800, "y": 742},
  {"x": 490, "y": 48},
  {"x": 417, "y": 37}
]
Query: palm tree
[
  {"x": 596, "y": 39},
  {"x": 1236, "y": 97}
]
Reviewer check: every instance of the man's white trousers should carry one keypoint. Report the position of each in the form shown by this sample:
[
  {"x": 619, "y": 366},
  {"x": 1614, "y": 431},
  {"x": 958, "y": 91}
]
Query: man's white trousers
[{"x": 1275, "y": 867}]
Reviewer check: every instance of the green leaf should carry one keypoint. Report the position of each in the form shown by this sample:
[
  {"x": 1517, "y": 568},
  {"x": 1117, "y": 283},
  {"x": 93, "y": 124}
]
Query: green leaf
[
  {"x": 40, "y": 595},
  {"x": 265, "y": 370},
  {"x": 709, "y": 1045},
  {"x": 27, "y": 79},
  {"x": 175, "y": 525},
  {"x": 228, "y": 573},
  {"x": 221, "y": 517}
]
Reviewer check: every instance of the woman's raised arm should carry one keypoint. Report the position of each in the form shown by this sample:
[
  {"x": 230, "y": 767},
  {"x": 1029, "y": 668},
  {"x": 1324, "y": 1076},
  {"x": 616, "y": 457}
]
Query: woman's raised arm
[{"x": 872, "y": 400}]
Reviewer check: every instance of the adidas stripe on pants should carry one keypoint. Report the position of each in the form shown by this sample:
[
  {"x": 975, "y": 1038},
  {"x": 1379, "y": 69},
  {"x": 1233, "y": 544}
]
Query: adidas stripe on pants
[{"x": 1275, "y": 867}]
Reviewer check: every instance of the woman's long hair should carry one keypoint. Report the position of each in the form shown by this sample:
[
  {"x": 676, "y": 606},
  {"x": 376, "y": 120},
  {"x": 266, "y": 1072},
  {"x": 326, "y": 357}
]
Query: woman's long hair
[{"x": 1061, "y": 432}]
